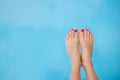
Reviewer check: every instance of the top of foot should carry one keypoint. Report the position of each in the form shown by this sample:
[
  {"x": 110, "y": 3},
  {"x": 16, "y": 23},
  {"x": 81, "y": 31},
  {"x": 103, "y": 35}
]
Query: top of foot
[
  {"x": 86, "y": 43},
  {"x": 72, "y": 44}
]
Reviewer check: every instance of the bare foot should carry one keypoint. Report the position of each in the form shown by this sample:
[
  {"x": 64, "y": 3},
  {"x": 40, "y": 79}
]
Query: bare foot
[
  {"x": 72, "y": 45},
  {"x": 86, "y": 43}
]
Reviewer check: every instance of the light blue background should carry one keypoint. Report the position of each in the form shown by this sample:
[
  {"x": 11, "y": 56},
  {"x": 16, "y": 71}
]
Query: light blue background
[{"x": 32, "y": 33}]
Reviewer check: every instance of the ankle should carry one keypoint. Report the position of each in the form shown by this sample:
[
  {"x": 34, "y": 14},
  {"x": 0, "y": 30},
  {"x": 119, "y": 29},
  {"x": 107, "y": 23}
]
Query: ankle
[
  {"x": 76, "y": 63},
  {"x": 86, "y": 63}
]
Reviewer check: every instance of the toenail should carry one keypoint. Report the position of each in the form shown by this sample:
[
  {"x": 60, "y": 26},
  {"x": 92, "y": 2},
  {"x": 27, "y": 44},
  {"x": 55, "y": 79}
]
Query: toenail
[
  {"x": 75, "y": 30},
  {"x": 82, "y": 30}
]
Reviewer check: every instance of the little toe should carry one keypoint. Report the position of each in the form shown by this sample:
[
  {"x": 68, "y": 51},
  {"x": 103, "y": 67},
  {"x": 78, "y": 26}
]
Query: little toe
[
  {"x": 91, "y": 36},
  {"x": 67, "y": 36}
]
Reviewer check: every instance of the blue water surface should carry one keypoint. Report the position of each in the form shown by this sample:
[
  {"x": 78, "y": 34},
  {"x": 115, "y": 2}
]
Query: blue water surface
[{"x": 32, "y": 34}]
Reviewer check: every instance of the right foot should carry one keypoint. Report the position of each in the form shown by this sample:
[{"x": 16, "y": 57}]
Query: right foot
[{"x": 86, "y": 43}]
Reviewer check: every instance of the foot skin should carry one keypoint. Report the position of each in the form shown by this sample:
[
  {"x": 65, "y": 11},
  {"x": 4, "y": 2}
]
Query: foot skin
[
  {"x": 72, "y": 45},
  {"x": 86, "y": 43}
]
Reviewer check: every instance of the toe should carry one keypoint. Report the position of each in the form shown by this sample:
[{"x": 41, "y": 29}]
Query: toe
[
  {"x": 91, "y": 36},
  {"x": 72, "y": 33},
  {"x": 68, "y": 35},
  {"x": 82, "y": 33},
  {"x": 76, "y": 33},
  {"x": 87, "y": 33}
]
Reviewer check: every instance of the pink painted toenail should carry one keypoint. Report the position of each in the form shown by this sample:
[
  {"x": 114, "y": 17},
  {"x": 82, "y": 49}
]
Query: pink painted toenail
[
  {"x": 75, "y": 30},
  {"x": 82, "y": 30}
]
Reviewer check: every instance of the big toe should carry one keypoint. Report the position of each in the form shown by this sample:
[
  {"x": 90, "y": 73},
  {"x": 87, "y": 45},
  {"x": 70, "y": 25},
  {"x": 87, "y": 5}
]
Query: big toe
[
  {"x": 82, "y": 33},
  {"x": 76, "y": 33}
]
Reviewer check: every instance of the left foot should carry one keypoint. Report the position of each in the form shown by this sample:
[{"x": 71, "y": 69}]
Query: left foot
[
  {"x": 86, "y": 43},
  {"x": 72, "y": 45}
]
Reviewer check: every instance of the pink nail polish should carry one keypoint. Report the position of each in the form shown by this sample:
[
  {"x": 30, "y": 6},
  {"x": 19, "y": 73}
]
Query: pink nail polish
[
  {"x": 75, "y": 30},
  {"x": 82, "y": 30}
]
